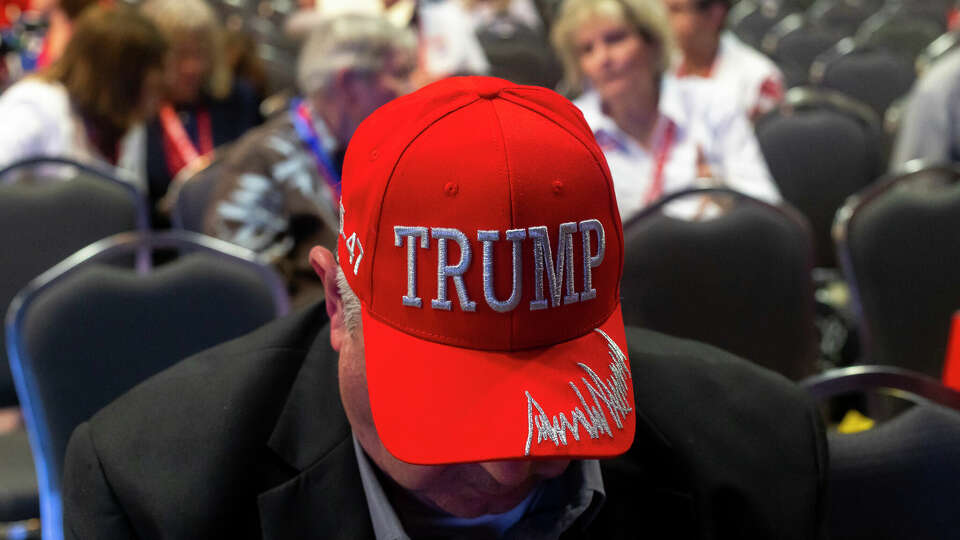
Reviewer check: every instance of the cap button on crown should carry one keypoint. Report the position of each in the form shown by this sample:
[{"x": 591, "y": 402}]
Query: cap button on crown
[{"x": 487, "y": 87}]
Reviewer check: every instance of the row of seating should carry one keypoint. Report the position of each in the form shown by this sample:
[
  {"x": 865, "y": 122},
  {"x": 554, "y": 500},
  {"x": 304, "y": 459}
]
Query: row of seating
[
  {"x": 741, "y": 280},
  {"x": 870, "y": 50},
  {"x": 87, "y": 325}
]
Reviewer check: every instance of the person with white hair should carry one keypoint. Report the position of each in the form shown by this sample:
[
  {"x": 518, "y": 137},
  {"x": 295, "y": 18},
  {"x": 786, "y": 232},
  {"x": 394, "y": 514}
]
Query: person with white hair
[{"x": 279, "y": 188}]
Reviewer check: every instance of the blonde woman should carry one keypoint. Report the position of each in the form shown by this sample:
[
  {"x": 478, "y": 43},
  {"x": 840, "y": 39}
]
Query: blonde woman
[
  {"x": 659, "y": 135},
  {"x": 204, "y": 108}
]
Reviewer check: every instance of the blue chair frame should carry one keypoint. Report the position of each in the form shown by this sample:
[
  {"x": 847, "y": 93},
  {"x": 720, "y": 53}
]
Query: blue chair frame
[{"x": 51, "y": 506}]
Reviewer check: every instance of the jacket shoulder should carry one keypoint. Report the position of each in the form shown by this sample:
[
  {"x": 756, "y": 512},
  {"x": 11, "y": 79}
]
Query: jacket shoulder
[
  {"x": 747, "y": 443},
  {"x": 202, "y": 426}
]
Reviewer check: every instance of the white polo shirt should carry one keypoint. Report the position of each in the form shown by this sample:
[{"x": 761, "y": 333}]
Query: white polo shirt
[
  {"x": 706, "y": 123},
  {"x": 37, "y": 119},
  {"x": 743, "y": 72},
  {"x": 447, "y": 35}
]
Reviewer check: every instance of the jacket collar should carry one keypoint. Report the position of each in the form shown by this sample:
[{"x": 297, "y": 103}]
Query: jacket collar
[{"x": 312, "y": 435}]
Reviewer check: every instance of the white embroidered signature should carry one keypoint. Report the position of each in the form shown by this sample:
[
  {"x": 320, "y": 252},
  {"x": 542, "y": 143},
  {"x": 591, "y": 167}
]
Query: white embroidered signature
[{"x": 612, "y": 393}]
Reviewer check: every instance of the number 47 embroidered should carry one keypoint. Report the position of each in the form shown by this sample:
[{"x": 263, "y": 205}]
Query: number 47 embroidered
[{"x": 353, "y": 245}]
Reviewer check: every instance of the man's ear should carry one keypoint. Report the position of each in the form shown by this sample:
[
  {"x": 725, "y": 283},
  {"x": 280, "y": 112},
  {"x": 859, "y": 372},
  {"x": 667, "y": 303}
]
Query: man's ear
[{"x": 325, "y": 265}]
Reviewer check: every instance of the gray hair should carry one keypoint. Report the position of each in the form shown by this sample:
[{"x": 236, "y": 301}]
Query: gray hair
[
  {"x": 360, "y": 42},
  {"x": 351, "y": 304}
]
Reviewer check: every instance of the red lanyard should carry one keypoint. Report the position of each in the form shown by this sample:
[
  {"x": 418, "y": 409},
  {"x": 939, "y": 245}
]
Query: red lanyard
[
  {"x": 663, "y": 154},
  {"x": 180, "y": 150}
]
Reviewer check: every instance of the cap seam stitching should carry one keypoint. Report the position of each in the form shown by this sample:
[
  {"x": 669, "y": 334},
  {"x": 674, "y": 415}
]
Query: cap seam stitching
[
  {"x": 609, "y": 179},
  {"x": 393, "y": 171},
  {"x": 513, "y": 220}
]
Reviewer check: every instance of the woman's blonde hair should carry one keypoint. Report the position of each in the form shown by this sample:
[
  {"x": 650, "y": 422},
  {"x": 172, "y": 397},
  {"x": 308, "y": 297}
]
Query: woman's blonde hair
[
  {"x": 179, "y": 19},
  {"x": 648, "y": 18}
]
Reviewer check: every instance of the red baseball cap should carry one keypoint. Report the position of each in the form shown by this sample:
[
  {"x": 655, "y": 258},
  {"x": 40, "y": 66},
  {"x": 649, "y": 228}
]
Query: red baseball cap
[{"x": 480, "y": 231}]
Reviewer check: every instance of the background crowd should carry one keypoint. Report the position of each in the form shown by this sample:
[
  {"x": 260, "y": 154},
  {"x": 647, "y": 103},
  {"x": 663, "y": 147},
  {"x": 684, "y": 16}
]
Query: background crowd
[{"x": 785, "y": 169}]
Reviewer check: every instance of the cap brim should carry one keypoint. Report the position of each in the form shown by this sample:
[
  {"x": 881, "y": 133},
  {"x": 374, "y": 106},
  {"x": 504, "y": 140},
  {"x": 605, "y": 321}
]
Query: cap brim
[{"x": 437, "y": 404}]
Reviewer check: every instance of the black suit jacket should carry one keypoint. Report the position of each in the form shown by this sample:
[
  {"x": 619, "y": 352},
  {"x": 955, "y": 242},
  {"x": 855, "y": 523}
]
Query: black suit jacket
[{"x": 249, "y": 440}]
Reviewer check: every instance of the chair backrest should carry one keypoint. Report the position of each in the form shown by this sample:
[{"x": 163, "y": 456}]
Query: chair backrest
[
  {"x": 750, "y": 20},
  {"x": 875, "y": 76},
  {"x": 42, "y": 221},
  {"x": 740, "y": 281},
  {"x": 821, "y": 148},
  {"x": 193, "y": 195},
  {"x": 904, "y": 383},
  {"x": 907, "y": 35},
  {"x": 795, "y": 42},
  {"x": 843, "y": 15},
  {"x": 83, "y": 333},
  {"x": 519, "y": 53},
  {"x": 898, "y": 479},
  {"x": 898, "y": 244},
  {"x": 936, "y": 50}
]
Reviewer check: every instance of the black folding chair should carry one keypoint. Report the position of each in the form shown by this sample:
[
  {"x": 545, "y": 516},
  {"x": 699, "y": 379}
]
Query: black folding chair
[
  {"x": 192, "y": 196},
  {"x": 750, "y": 20},
  {"x": 795, "y": 42},
  {"x": 872, "y": 75},
  {"x": 936, "y": 50},
  {"x": 739, "y": 280},
  {"x": 906, "y": 34},
  {"x": 898, "y": 479},
  {"x": 821, "y": 148},
  {"x": 844, "y": 16},
  {"x": 83, "y": 333},
  {"x": 898, "y": 244},
  {"x": 519, "y": 53},
  {"x": 50, "y": 208}
]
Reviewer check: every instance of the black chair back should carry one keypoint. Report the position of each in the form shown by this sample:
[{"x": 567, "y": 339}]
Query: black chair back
[
  {"x": 937, "y": 50},
  {"x": 843, "y": 15},
  {"x": 83, "y": 333},
  {"x": 519, "y": 53},
  {"x": 193, "y": 195},
  {"x": 740, "y": 281},
  {"x": 906, "y": 35},
  {"x": 795, "y": 42},
  {"x": 874, "y": 76},
  {"x": 898, "y": 243},
  {"x": 44, "y": 219},
  {"x": 821, "y": 148},
  {"x": 898, "y": 479},
  {"x": 750, "y": 20}
]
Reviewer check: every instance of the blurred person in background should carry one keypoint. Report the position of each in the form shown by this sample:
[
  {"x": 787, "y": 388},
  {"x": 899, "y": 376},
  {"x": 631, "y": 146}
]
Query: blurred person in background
[
  {"x": 279, "y": 190},
  {"x": 658, "y": 136},
  {"x": 89, "y": 105},
  {"x": 61, "y": 15},
  {"x": 448, "y": 44},
  {"x": 240, "y": 51},
  {"x": 711, "y": 53},
  {"x": 204, "y": 107},
  {"x": 930, "y": 129}
]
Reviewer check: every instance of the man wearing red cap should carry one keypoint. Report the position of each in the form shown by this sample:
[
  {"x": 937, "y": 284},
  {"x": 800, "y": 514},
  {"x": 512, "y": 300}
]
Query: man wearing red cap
[{"x": 475, "y": 379}]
